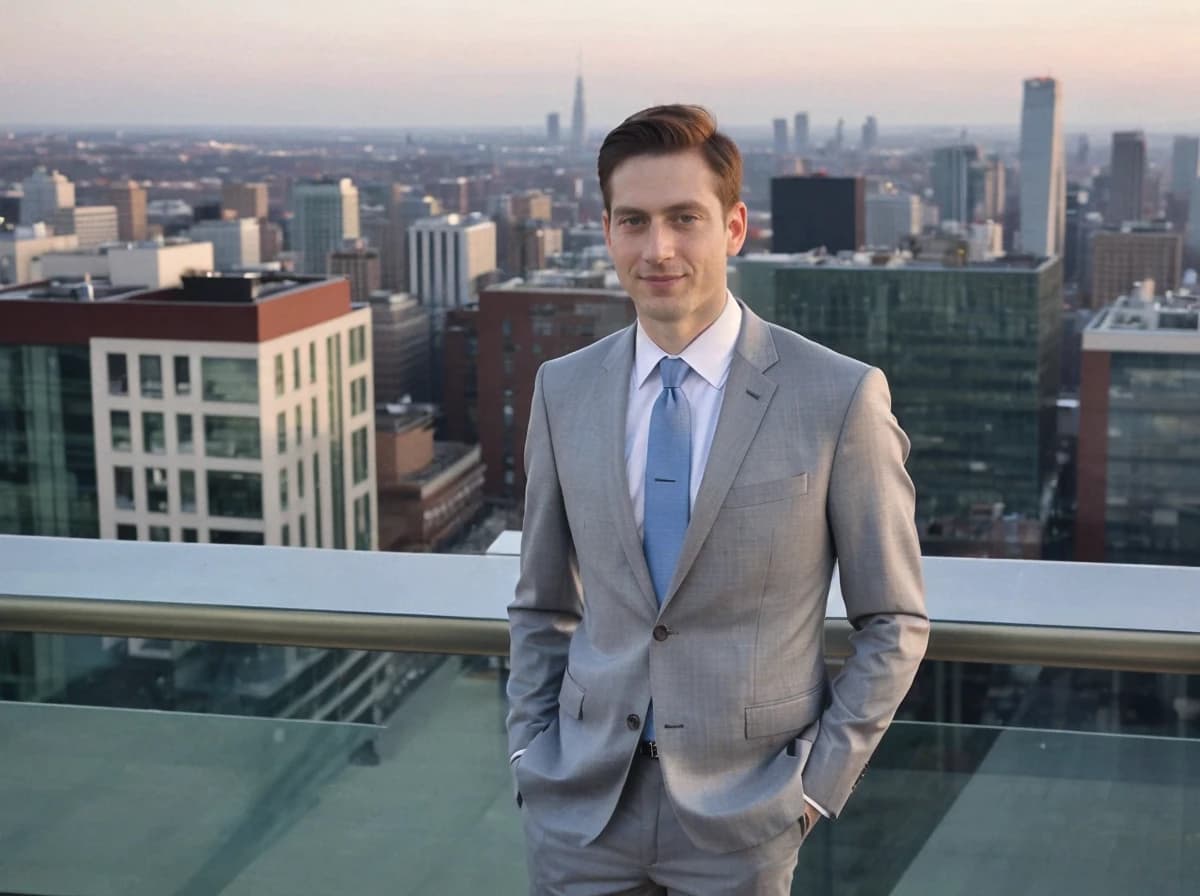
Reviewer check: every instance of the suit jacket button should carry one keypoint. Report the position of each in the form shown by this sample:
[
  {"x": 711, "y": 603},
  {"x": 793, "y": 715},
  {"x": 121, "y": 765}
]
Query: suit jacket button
[
  {"x": 661, "y": 633},
  {"x": 633, "y": 722}
]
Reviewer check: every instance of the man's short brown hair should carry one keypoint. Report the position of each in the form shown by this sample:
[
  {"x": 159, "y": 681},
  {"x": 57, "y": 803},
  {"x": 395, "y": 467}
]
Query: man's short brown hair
[{"x": 661, "y": 130}]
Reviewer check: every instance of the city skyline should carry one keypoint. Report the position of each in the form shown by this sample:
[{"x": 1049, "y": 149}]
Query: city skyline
[{"x": 366, "y": 64}]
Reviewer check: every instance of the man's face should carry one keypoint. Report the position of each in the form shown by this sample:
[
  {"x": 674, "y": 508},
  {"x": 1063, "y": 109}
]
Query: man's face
[{"x": 669, "y": 237}]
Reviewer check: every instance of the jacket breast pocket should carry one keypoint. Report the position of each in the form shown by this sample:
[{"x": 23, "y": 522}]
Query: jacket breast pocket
[
  {"x": 570, "y": 697},
  {"x": 767, "y": 492},
  {"x": 787, "y": 716}
]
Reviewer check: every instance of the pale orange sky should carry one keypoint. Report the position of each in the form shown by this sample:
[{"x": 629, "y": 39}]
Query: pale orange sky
[{"x": 475, "y": 62}]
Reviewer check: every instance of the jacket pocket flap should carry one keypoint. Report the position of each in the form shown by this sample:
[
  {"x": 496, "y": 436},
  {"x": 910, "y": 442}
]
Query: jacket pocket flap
[
  {"x": 570, "y": 697},
  {"x": 765, "y": 492},
  {"x": 790, "y": 715}
]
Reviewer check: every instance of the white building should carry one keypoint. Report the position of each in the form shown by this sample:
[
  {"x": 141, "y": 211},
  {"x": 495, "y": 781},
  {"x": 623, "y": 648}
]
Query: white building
[
  {"x": 448, "y": 256},
  {"x": 151, "y": 265},
  {"x": 21, "y": 248},
  {"x": 235, "y": 439},
  {"x": 891, "y": 217},
  {"x": 93, "y": 224},
  {"x": 1043, "y": 175},
  {"x": 235, "y": 243},
  {"x": 44, "y": 193},
  {"x": 325, "y": 213}
]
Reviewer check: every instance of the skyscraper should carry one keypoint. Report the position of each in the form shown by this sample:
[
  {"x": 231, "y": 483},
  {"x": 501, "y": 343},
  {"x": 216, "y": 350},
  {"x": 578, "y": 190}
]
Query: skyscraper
[
  {"x": 781, "y": 136},
  {"x": 44, "y": 193},
  {"x": 130, "y": 199},
  {"x": 326, "y": 213},
  {"x": 811, "y": 212},
  {"x": 448, "y": 256},
  {"x": 244, "y": 200},
  {"x": 236, "y": 243},
  {"x": 951, "y": 176},
  {"x": 578, "y": 120},
  {"x": 360, "y": 265},
  {"x": 553, "y": 129},
  {"x": 800, "y": 132},
  {"x": 1185, "y": 165},
  {"x": 1043, "y": 172},
  {"x": 1128, "y": 177},
  {"x": 870, "y": 134}
]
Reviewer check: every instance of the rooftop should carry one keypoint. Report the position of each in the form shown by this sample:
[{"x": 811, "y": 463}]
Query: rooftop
[
  {"x": 1014, "y": 264},
  {"x": 1143, "y": 321}
]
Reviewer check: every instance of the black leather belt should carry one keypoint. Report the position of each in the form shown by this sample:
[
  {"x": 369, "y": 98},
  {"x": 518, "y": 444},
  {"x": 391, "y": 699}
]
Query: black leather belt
[{"x": 648, "y": 748}]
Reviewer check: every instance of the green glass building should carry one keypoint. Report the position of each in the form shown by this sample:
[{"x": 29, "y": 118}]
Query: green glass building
[{"x": 972, "y": 356}]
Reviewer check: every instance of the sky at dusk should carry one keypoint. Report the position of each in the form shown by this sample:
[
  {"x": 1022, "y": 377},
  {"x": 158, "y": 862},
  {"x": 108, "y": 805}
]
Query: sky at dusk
[{"x": 482, "y": 63}]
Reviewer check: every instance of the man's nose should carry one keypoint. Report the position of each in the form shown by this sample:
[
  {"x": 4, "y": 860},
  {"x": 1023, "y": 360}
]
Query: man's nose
[{"x": 659, "y": 245}]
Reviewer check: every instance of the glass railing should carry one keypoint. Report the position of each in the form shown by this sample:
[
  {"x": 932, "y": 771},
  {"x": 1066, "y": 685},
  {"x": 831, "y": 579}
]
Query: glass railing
[{"x": 226, "y": 720}]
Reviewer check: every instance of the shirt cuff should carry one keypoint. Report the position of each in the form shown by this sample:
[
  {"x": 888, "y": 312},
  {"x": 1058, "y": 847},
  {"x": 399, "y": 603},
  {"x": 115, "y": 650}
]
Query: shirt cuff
[
  {"x": 517, "y": 755},
  {"x": 812, "y": 803}
]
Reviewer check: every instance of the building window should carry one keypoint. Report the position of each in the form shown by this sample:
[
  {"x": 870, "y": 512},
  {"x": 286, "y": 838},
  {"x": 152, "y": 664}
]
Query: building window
[
  {"x": 358, "y": 396},
  {"x": 154, "y": 433},
  {"x": 283, "y": 489},
  {"x": 184, "y": 434},
  {"x": 281, "y": 432},
  {"x": 358, "y": 447},
  {"x": 191, "y": 536},
  {"x": 183, "y": 375},
  {"x": 303, "y": 531},
  {"x": 160, "y": 533},
  {"x": 231, "y": 437},
  {"x": 279, "y": 377},
  {"x": 285, "y": 536},
  {"x": 234, "y": 494},
  {"x": 232, "y": 536},
  {"x": 187, "y": 491},
  {"x": 313, "y": 416},
  {"x": 122, "y": 435},
  {"x": 150, "y": 376},
  {"x": 156, "y": 490},
  {"x": 123, "y": 485},
  {"x": 300, "y": 478},
  {"x": 316, "y": 471},
  {"x": 296, "y": 368},
  {"x": 126, "y": 532},
  {"x": 358, "y": 344},
  {"x": 312, "y": 362},
  {"x": 362, "y": 523},
  {"x": 299, "y": 425},
  {"x": 118, "y": 375},
  {"x": 230, "y": 379}
]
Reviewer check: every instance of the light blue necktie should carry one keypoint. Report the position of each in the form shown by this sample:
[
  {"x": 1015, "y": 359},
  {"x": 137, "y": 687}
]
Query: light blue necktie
[{"x": 668, "y": 485}]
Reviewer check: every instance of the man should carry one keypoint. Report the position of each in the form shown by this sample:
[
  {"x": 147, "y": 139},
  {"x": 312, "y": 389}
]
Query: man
[{"x": 691, "y": 481}]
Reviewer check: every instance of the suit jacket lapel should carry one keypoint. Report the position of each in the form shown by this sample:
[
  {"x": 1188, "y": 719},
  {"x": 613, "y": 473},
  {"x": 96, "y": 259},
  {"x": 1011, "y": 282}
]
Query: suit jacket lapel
[
  {"x": 612, "y": 405},
  {"x": 747, "y": 394}
]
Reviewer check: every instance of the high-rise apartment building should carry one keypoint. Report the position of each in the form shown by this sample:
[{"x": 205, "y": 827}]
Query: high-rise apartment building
[
  {"x": 43, "y": 193},
  {"x": 951, "y": 177},
  {"x": 248, "y": 200},
  {"x": 449, "y": 258},
  {"x": 92, "y": 224},
  {"x": 1128, "y": 184},
  {"x": 1121, "y": 258},
  {"x": 800, "y": 132},
  {"x": 891, "y": 216},
  {"x": 780, "y": 129},
  {"x": 325, "y": 214},
  {"x": 129, "y": 197},
  {"x": 360, "y": 265},
  {"x": 1139, "y": 432},
  {"x": 810, "y": 212},
  {"x": 236, "y": 242},
  {"x": 972, "y": 356},
  {"x": 1043, "y": 170},
  {"x": 233, "y": 410}
]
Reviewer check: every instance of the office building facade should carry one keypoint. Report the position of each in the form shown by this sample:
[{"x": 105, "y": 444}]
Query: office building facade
[
  {"x": 42, "y": 194},
  {"x": 800, "y": 132},
  {"x": 448, "y": 259},
  {"x": 891, "y": 217},
  {"x": 245, "y": 200},
  {"x": 780, "y": 130},
  {"x": 1128, "y": 178},
  {"x": 361, "y": 265},
  {"x": 91, "y": 224},
  {"x": 325, "y": 214},
  {"x": 1043, "y": 170},
  {"x": 811, "y": 212},
  {"x": 236, "y": 243},
  {"x": 129, "y": 197},
  {"x": 1121, "y": 258}
]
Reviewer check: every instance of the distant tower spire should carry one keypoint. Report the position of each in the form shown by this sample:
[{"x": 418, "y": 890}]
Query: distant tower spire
[{"x": 578, "y": 121}]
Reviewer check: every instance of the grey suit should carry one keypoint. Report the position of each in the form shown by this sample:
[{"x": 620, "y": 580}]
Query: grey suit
[{"x": 806, "y": 467}]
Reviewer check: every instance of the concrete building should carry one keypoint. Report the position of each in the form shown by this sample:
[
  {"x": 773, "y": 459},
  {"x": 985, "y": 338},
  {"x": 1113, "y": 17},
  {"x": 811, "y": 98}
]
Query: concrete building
[
  {"x": 42, "y": 194},
  {"x": 237, "y": 242},
  {"x": 1043, "y": 170},
  {"x": 780, "y": 129},
  {"x": 1132, "y": 254},
  {"x": 92, "y": 224},
  {"x": 810, "y": 212},
  {"x": 400, "y": 336},
  {"x": 129, "y": 197},
  {"x": 21, "y": 248},
  {"x": 1127, "y": 191},
  {"x": 531, "y": 244},
  {"x": 1139, "y": 432},
  {"x": 406, "y": 207},
  {"x": 235, "y": 410},
  {"x": 450, "y": 257},
  {"x": 891, "y": 216},
  {"x": 247, "y": 200},
  {"x": 532, "y": 205},
  {"x": 492, "y": 354},
  {"x": 325, "y": 214},
  {"x": 1185, "y": 165},
  {"x": 951, "y": 178},
  {"x": 360, "y": 265},
  {"x": 146, "y": 265},
  {"x": 972, "y": 356},
  {"x": 800, "y": 132}
]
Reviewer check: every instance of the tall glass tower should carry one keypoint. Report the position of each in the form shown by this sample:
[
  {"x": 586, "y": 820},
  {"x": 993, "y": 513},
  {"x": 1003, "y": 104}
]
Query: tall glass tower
[
  {"x": 1043, "y": 176},
  {"x": 578, "y": 126}
]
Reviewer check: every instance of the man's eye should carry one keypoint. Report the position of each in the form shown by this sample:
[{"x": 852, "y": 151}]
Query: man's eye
[
  {"x": 631, "y": 221},
  {"x": 688, "y": 219}
]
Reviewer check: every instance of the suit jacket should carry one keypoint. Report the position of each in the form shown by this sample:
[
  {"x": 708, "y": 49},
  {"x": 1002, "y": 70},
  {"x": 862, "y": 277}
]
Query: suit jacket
[{"x": 806, "y": 468}]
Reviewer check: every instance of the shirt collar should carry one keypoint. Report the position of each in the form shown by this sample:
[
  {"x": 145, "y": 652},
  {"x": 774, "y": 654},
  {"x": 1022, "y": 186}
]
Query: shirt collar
[{"x": 710, "y": 354}]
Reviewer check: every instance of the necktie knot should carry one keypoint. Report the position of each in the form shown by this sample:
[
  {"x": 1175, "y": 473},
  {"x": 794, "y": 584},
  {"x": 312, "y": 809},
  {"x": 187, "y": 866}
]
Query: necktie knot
[{"x": 673, "y": 372}]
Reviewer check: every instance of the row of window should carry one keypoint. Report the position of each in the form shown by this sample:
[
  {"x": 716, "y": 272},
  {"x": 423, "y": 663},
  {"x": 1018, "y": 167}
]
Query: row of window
[
  {"x": 230, "y": 493},
  {"x": 222, "y": 379},
  {"x": 224, "y": 436},
  {"x": 188, "y": 535}
]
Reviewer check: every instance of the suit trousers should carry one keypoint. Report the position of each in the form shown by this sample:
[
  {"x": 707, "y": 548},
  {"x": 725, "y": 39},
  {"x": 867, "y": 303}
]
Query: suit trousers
[{"x": 643, "y": 851}]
